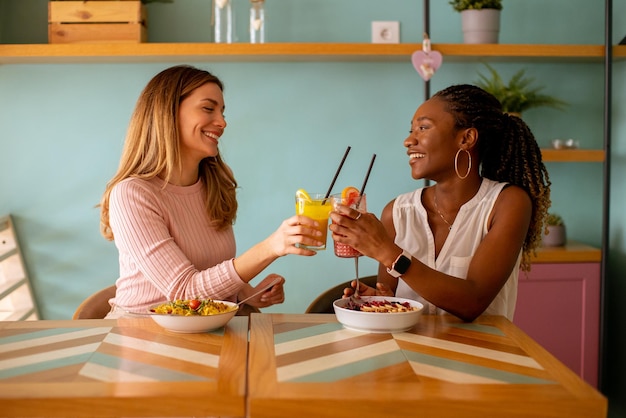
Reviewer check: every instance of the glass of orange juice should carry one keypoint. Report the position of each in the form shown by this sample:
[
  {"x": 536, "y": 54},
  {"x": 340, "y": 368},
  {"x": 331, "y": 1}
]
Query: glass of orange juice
[
  {"x": 317, "y": 207},
  {"x": 349, "y": 198}
]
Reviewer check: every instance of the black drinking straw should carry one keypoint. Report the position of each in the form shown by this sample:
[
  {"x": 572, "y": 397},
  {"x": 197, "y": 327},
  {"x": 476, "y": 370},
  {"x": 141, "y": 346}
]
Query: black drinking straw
[
  {"x": 332, "y": 183},
  {"x": 367, "y": 176}
]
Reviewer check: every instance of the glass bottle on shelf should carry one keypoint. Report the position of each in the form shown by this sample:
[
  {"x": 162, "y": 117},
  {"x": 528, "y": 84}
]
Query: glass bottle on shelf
[
  {"x": 222, "y": 21},
  {"x": 257, "y": 21}
]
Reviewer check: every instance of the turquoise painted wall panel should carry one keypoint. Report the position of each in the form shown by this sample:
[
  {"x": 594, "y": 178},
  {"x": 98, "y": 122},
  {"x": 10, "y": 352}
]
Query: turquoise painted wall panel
[{"x": 289, "y": 123}]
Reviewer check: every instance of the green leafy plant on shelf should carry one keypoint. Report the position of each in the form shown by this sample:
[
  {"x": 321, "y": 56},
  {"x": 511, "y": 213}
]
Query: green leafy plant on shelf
[
  {"x": 554, "y": 219},
  {"x": 554, "y": 234},
  {"x": 519, "y": 94},
  {"x": 460, "y": 5}
]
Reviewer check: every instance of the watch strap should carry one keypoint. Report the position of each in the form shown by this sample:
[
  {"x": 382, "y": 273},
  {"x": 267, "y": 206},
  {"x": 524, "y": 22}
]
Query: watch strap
[{"x": 400, "y": 265}]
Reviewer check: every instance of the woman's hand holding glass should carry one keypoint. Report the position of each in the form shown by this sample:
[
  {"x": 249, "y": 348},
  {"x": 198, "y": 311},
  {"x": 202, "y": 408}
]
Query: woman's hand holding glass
[
  {"x": 297, "y": 229},
  {"x": 360, "y": 230},
  {"x": 356, "y": 202}
]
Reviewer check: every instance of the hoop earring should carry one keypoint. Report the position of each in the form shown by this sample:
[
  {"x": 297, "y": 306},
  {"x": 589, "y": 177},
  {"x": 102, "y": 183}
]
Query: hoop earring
[{"x": 456, "y": 163}]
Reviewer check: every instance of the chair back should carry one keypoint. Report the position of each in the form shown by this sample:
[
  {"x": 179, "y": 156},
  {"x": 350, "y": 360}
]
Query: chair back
[
  {"x": 324, "y": 302},
  {"x": 95, "y": 306}
]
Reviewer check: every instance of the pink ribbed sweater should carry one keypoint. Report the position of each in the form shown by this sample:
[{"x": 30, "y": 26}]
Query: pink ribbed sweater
[{"x": 167, "y": 249}]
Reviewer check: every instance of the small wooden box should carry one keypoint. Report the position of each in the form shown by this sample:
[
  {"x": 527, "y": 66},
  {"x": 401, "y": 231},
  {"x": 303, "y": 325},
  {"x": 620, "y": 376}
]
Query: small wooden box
[{"x": 96, "y": 21}]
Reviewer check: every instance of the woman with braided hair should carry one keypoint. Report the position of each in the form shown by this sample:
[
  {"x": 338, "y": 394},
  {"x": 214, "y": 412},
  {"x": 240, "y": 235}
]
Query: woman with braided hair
[{"x": 457, "y": 246}]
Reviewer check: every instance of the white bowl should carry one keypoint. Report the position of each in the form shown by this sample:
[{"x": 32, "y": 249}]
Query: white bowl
[
  {"x": 377, "y": 321},
  {"x": 195, "y": 323}
]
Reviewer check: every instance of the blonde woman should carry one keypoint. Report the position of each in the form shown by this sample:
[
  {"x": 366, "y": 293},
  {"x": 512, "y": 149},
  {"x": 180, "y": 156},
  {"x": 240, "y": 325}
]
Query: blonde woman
[{"x": 172, "y": 203}]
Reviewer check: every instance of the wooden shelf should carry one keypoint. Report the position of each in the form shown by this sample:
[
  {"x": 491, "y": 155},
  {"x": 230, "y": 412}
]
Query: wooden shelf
[
  {"x": 517, "y": 51},
  {"x": 619, "y": 52},
  {"x": 288, "y": 52},
  {"x": 573, "y": 155},
  {"x": 572, "y": 252}
]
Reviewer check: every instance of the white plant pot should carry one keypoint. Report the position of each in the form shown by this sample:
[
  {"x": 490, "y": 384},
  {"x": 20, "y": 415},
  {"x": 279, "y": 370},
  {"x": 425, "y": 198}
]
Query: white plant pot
[
  {"x": 480, "y": 26},
  {"x": 555, "y": 237}
]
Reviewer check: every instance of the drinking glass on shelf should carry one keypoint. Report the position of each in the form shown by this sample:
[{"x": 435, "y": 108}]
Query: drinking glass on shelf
[
  {"x": 257, "y": 21},
  {"x": 222, "y": 21}
]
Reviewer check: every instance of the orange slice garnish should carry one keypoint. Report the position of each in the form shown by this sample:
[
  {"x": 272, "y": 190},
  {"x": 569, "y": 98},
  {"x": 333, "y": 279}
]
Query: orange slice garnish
[{"x": 350, "y": 195}]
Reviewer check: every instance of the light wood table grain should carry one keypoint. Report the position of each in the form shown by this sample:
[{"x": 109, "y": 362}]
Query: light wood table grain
[
  {"x": 126, "y": 367},
  {"x": 310, "y": 366}
]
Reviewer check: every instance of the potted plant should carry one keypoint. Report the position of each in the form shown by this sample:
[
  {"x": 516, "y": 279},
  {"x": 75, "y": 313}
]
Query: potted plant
[
  {"x": 480, "y": 20},
  {"x": 519, "y": 94},
  {"x": 554, "y": 235}
]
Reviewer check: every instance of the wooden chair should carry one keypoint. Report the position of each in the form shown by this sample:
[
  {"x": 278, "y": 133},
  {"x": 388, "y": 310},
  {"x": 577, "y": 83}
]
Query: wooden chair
[
  {"x": 324, "y": 302},
  {"x": 95, "y": 306}
]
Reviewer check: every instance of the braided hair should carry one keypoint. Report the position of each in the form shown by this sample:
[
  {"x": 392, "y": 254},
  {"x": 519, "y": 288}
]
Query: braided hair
[{"x": 508, "y": 152}]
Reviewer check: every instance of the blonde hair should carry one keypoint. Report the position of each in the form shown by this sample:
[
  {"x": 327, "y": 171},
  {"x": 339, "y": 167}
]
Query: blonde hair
[{"x": 152, "y": 145}]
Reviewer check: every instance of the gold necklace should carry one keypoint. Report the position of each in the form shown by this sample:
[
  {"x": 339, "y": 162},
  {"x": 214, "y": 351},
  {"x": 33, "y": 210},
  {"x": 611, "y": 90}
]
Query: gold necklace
[{"x": 441, "y": 214}]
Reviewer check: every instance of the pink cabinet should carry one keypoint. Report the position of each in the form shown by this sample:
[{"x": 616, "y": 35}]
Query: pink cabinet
[{"x": 558, "y": 305}]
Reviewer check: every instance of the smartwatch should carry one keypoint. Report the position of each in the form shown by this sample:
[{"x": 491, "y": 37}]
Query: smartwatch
[{"x": 401, "y": 265}]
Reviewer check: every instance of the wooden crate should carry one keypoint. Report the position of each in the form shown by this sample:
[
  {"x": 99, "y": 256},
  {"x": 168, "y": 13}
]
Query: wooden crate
[{"x": 96, "y": 21}]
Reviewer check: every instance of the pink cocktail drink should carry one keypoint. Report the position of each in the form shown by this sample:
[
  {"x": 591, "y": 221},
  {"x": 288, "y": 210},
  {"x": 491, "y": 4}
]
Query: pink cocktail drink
[{"x": 344, "y": 250}]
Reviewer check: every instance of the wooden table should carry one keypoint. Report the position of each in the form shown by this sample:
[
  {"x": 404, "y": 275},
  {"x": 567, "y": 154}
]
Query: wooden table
[
  {"x": 126, "y": 367},
  {"x": 309, "y": 366}
]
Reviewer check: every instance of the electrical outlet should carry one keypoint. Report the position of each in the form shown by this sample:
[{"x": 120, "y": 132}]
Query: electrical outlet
[{"x": 386, "y": 32}]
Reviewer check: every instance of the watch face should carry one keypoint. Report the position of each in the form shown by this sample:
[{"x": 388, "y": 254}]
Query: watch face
[{"x": 402, "y": 265}]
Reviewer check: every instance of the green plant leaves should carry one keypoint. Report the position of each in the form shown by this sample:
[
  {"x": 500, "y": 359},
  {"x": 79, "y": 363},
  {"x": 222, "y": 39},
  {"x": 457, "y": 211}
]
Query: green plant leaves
[
  {"x": 519, "y": 94},
  {"x": 460, "y": 5}
]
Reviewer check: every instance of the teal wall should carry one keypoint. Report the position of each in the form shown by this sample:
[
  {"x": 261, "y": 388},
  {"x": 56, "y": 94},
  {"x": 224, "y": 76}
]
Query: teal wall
[{"x": 62, "y": 127}]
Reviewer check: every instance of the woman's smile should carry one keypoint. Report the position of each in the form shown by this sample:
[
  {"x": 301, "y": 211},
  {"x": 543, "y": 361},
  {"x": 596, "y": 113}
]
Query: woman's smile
[
  {"x": 415, "y": 155},
  {"x": 212, "y": 136}
]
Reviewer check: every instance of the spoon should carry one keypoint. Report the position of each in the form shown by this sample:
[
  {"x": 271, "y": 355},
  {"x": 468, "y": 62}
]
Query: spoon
[{"x": 275, "y": 281}]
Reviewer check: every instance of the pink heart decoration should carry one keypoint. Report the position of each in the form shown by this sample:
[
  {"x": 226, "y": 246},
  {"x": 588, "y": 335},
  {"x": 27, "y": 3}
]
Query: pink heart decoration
[{"x": 426, "y": 64}]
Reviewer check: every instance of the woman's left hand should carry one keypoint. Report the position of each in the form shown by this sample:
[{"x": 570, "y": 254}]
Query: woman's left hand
[
  {"x": 381, "y": 289},
  {"x": 272, "y": 296}
]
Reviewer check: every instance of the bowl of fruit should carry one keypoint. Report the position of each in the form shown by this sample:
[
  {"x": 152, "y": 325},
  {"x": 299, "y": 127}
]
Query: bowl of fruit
[
  {"x": 378, "y": 313},
  {"x": 194, "y": 315}
]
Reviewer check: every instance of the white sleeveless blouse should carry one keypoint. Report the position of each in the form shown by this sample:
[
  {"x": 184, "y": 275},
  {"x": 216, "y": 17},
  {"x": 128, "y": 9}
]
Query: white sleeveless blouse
[{"x": 468, "y": 230}]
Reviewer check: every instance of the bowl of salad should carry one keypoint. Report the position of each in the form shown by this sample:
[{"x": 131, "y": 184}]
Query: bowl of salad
[
  {"x": 378, "y": 313},
  {"x": 194, "y": 315}
]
